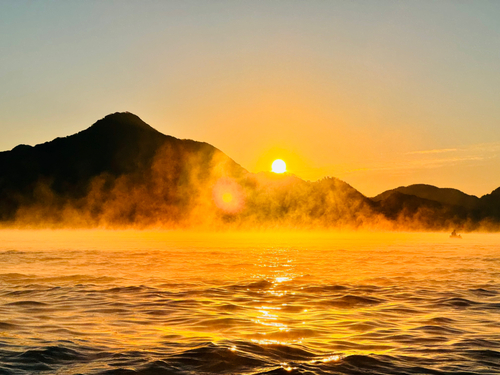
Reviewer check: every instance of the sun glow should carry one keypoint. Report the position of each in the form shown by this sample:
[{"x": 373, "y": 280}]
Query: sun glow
[{"x": 279, "y": 166}]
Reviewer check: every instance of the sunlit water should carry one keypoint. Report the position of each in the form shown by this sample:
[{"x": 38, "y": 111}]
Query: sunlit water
[{"x": 96, "y": 302}]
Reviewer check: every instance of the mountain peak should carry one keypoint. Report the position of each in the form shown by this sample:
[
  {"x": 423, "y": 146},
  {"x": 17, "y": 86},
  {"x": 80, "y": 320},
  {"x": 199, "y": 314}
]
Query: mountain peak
[{"x": 122, "y": 121}]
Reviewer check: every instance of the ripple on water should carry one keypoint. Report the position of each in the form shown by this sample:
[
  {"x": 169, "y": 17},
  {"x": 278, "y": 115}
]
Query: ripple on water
[{"x": 415, "y": 309}]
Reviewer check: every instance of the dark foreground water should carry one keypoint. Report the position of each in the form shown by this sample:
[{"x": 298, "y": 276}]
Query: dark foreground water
[{"x": 87, "y": 302}]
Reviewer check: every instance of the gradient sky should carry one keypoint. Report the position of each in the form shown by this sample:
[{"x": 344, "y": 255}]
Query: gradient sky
[{"x": 377, "y": 93}]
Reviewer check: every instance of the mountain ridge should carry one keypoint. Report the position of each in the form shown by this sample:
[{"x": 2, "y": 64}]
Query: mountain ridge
[
  {"x": 450, "y": 196},
  {"x": 122, "y": 172}
]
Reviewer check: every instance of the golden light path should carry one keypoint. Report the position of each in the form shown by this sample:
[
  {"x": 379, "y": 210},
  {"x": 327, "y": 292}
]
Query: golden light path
[{"x": 279, "y": 166}]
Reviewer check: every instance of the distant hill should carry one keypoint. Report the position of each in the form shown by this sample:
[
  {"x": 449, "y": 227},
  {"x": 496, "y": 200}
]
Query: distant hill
[
  {"x": 410, "y": 212},
  {"x": 490, "y": 206},
  {"x": 452, "y": 197},
  {"x": 450, "y": 205}
]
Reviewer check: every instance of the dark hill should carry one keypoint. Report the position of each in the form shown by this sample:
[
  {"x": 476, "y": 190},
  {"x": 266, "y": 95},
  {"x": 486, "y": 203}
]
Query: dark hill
[
  {"x": 414, "y": 212},
  {"x": 490, "y": 205},
  {"x": 442, "y": 207},
  {"x": 64, "y": 169},
  {"x": 447, "y": 196}
]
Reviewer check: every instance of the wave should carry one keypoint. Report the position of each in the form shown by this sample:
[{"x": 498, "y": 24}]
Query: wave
[
  {"x": 350, "y": 301},
  {"x": 240, "y": 357},
  {"x": 264, "y": 311}
]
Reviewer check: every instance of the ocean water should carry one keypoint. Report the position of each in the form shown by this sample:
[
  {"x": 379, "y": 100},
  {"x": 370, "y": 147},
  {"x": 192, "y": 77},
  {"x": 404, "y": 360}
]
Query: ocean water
[{"x": 139, "y": 302}]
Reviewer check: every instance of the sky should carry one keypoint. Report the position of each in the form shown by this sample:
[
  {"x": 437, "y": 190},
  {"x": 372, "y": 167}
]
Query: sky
[{"x": 380, "y": 94}]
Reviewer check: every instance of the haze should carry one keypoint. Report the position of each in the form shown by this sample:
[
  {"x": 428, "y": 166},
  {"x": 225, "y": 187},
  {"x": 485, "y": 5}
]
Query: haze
[{"x": 379, "y": 94}]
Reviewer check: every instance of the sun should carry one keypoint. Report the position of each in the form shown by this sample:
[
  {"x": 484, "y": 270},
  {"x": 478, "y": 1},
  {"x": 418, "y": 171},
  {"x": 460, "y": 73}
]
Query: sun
[{"x": 279, "y": 166}]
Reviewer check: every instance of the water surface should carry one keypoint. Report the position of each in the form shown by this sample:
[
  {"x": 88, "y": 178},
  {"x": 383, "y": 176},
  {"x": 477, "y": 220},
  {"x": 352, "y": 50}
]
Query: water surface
[{"x": 138, "y": 302}]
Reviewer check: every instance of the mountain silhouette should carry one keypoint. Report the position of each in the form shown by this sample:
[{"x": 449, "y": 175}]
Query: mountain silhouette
[
  {"x": 448, "y": 196},
  {"x": 64, "y": 171},
  {"x": 411, "y": 212},
  {"x": 121, "y": 172},
  {"x": 445, "y": 205},
  {"x": 490, "y": 205}
]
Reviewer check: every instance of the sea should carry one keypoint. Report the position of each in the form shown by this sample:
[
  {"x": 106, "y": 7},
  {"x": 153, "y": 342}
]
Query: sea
[{"x": 124, "y": 302}]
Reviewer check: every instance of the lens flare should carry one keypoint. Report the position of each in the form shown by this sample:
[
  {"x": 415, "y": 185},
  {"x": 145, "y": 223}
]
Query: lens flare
[
  {"x": 228, "y": 195},
  {"x": 279, "y": 166}
]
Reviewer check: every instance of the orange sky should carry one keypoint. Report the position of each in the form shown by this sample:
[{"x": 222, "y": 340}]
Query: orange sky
[{"x": 379, "y": 94}]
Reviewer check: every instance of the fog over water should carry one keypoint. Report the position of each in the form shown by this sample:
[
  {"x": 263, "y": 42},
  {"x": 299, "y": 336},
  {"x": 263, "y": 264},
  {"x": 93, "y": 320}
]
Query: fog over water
[{"x": 146, "y": 302}]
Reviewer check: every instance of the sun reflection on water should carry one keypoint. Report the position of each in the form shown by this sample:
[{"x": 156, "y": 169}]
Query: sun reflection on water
[
  {"x": 295, "y": 306},
  {"x": 273, "y": 325}
]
